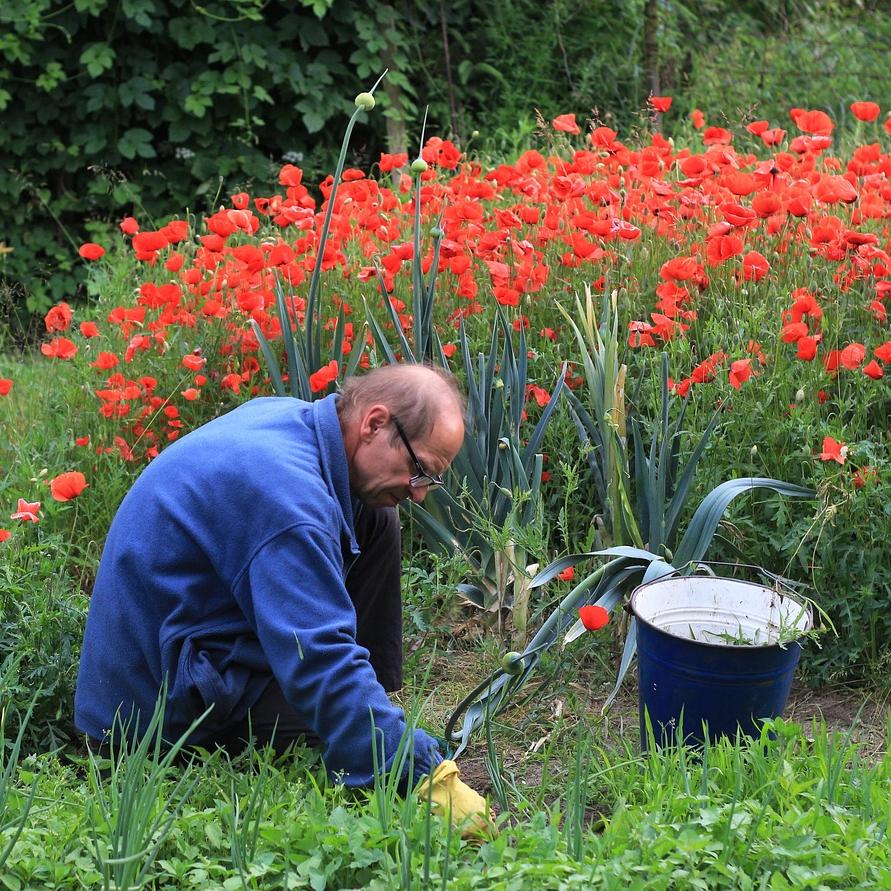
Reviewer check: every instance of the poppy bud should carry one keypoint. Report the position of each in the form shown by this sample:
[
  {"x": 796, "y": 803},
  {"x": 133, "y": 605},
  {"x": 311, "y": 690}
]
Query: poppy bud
[
  {"x": 753, "y": 451},
  {"x": 419, "y": 165},
  {"x": 799, "y": 394},
  {"x": 365, "y": 101},
  {"x": 512, "y": 663},
  {"x": 502, "y": 446}
]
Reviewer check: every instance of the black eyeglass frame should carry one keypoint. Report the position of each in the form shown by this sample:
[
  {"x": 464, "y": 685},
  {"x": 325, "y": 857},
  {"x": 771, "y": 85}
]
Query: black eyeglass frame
[{"x": 422, "y": 479}]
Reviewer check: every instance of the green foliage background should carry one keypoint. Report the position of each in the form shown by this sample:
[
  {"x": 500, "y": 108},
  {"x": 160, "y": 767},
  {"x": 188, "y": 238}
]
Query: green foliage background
[{"x": 152, "y": 107}]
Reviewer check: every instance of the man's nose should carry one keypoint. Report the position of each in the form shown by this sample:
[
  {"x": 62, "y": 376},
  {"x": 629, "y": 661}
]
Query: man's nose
[{"x": 418, "y": 494}]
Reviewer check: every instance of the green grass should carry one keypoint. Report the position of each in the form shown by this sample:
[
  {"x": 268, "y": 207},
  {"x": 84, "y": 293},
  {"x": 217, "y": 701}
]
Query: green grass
[{"x": 797, "y": 808}]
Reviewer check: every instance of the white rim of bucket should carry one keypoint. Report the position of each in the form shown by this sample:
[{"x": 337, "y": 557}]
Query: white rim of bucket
[{"x": 803, "y": 607}]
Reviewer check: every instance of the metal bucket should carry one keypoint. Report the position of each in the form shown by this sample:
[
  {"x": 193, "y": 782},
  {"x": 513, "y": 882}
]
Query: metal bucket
[{"x": 716, "y": 652}]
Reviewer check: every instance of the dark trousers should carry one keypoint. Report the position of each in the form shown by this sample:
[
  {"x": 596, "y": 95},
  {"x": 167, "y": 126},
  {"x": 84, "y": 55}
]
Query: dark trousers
[{"x": 373, "y": 583}]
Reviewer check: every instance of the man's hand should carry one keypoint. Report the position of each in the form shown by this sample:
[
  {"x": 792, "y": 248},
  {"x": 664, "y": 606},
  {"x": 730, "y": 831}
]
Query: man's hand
[{"x": 452, "y": 798}]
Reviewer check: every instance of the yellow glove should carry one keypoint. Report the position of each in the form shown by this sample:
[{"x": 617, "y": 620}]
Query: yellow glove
[{"x": 452, "y": 798}]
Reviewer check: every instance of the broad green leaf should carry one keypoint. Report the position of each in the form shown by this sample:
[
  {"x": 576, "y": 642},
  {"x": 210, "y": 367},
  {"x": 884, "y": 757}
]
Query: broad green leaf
[
  {"x": 628, "y": 653},
  {"x": 707, "y": 516}
]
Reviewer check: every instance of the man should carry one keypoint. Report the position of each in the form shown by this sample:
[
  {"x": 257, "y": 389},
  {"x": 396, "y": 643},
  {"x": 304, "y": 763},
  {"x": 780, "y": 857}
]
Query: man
[{"x": 254, "y": 567}]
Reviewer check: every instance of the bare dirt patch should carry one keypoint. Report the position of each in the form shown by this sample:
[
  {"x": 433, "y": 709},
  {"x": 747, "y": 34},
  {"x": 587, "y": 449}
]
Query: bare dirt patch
[{"x": 551, "y": 708}]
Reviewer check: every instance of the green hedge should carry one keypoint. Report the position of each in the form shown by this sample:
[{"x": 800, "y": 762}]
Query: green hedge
[{"x": 145, "y": 106}]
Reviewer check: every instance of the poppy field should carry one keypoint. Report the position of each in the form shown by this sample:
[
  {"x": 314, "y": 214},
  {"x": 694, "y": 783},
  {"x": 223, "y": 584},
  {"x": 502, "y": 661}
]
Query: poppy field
[{"x": 740, "y": 279}]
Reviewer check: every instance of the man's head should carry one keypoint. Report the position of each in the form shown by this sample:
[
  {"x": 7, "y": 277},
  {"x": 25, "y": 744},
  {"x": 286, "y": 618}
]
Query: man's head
[{"x": 402, "y": 425}]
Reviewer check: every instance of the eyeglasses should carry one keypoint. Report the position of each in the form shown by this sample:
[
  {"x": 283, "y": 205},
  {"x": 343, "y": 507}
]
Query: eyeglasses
[{"x": 421, "y": 479}]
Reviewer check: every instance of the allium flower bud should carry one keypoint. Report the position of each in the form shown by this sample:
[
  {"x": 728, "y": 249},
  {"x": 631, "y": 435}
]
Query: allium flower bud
[
  {"x": 419, "y": 165},
  {"x": 365, "y": 101},
  {"x": 512, "y": 663}
]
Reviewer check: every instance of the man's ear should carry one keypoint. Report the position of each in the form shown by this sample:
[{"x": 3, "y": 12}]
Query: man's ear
[{"x": 375, "y": 418}]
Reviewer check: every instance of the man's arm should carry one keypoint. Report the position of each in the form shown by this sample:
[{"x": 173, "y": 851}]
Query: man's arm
[{"x": 293, "y": 593}]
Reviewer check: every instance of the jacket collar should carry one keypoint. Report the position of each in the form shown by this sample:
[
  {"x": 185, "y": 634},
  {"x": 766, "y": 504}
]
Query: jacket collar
[{"x": 335, "y": 469}]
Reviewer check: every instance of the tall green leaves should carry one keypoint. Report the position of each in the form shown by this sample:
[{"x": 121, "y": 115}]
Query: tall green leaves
[
  {"x": 304, "y": 344},
  {"x": 643, "y": 496},
  {"x": 136, "y": 799},
  {"x": 494, "y": 490}
]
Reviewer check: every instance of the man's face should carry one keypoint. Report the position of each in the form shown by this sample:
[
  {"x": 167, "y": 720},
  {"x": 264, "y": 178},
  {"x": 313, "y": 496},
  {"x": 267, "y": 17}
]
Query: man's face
[{"x": 382, "y": 467}]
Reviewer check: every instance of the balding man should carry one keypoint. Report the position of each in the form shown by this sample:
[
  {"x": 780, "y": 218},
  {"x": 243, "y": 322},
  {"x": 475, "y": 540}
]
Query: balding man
[{"x": 254, "y": 568}]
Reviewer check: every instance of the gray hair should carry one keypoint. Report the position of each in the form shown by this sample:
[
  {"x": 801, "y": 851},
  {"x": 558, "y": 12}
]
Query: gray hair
[{"x": 416, "y": 394}]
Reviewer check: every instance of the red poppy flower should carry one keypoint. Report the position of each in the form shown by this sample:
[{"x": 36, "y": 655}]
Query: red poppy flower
[
  {"x": 68, "y": 485},
  {"x": 193, "y": 362},
  {"x": 59, "y": 348},
  {"x": 722, "y": 248},
  {"x": 5, "y": 386},
  {"x": 290, "y": 176},
  {"x": 697, "y": 118},
  {"x": 565, "y": 123},
  {"x": 58, "y": 318},
  {"x": 865, "y": 111},
  {"x": 567, "y": 575},
  {"x": 149, "y": 242},
  {"x": 873, "y": 370},
  {"x": 766, "y": 204},
  {"x": 593, "y": 617},
  {"x": 740, "y": 372},
  {"x": 393, "y": 161},
  {"x": 660, "y": 103},
  {"x": 27, "y": 511},
  {"x": 129, "y": 226},
  {"x": 89, "y": 329},
  {"x": 852, "y": 356},
  {"x": 862, "y": 475},
  {"x": 321, "y": 379},
  {"x": 91, "y": 251},
  {"x": 5, "y": 535},
  {"x": 774, "y": 136},
  {"x": 539, "y": 394},
  {"x": 807, "y": 347},
  {"x": 190, "y": 394},
  {"x": 883, "y": 352},
  {"x": 816, "y": 122},
  {"x": 716, "y": 136},
  {"x": 755, "y": 266},
  {"x": 833, "y": 450},
  {"x": 105, "y": 361}
]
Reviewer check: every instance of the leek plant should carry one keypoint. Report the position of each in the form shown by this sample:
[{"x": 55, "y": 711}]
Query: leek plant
[
  {"x": 644, "y": 498},
  {"x": 495, "y": 490},
  {"x": 494, "y": 483},
  {"x": 303, "y": 344},
  {"x": 424, "y": 344},
  {"x": 133, "y": 806}
]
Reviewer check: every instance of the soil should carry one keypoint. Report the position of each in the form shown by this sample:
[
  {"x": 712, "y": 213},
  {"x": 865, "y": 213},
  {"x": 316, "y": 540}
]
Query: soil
[{"x": 552, "y": 711}]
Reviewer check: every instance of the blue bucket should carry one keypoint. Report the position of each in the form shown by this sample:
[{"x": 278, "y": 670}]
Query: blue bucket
[{"x": 716, "y": 652}]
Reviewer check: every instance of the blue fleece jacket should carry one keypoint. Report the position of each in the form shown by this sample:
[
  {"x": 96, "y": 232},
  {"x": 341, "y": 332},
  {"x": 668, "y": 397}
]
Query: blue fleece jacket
[{"x": 224, "y": 566}]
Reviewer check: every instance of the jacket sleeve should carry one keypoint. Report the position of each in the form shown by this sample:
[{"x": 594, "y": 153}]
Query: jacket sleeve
[{"x": 293, "y": 593}]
